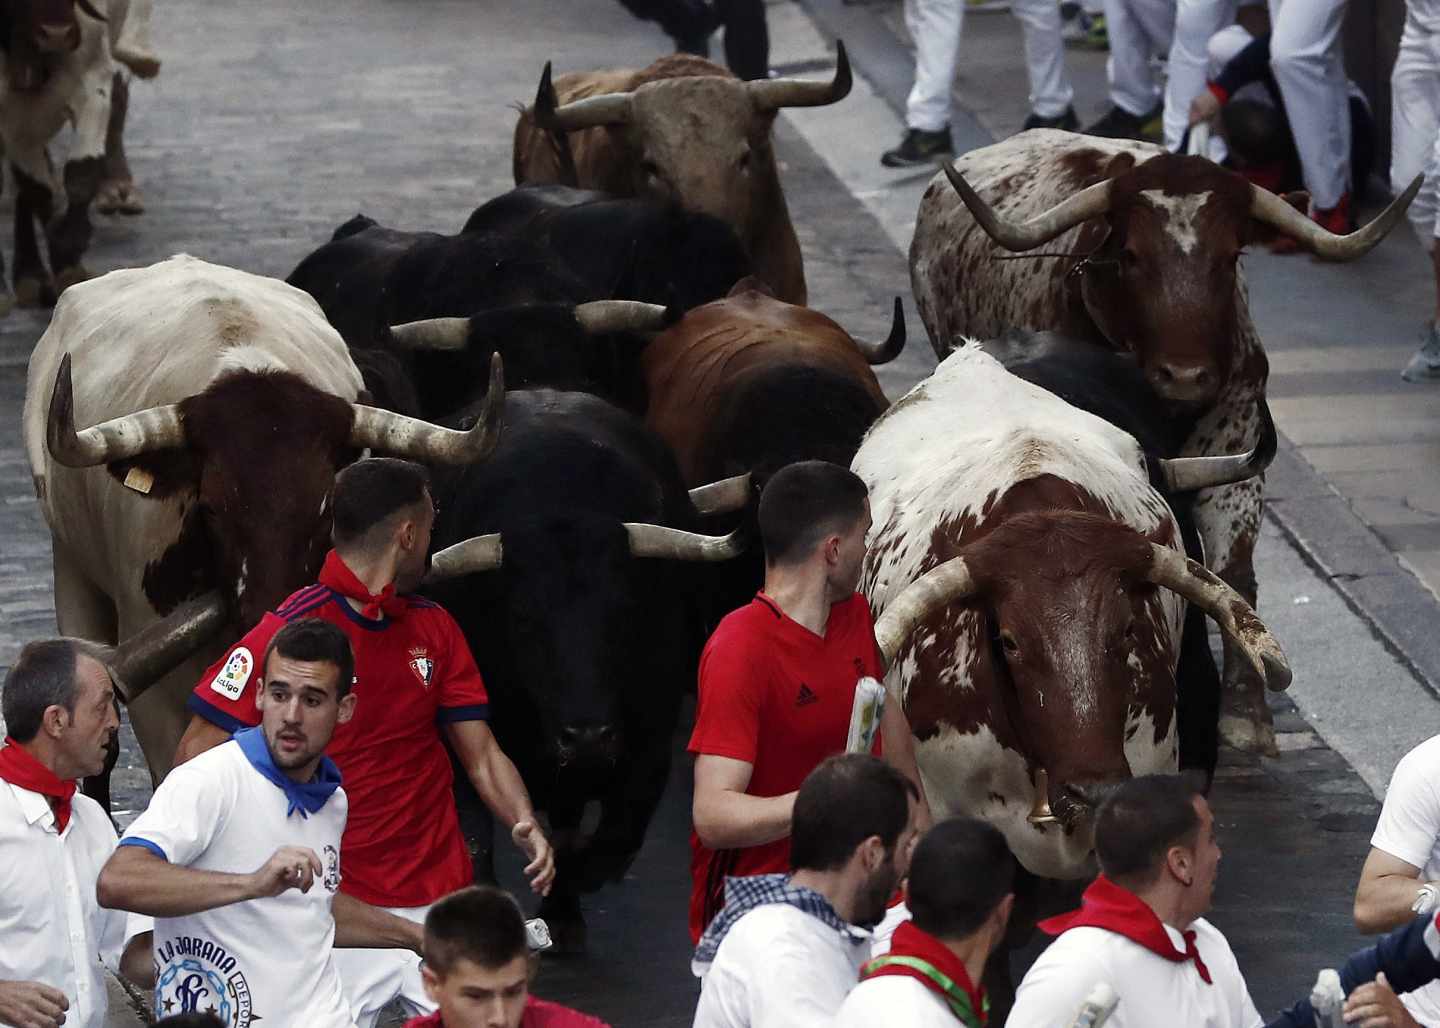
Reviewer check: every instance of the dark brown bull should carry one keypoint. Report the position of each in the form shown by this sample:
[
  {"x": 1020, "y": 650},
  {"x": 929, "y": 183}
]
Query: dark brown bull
[{"x": 685, "y": 130}]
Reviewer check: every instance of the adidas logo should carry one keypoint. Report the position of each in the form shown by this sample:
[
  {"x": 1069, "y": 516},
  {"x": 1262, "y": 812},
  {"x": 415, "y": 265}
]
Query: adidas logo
[{"x": 805, "y": 697}]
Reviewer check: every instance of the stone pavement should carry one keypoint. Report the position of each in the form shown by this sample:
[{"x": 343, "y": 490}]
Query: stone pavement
[{"x": 273, "y": 122}]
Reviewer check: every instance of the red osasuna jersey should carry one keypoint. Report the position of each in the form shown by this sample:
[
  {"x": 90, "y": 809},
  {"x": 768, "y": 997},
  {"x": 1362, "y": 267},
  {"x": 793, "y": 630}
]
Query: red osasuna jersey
[
  {"x": 402, "y": 846},
  {"x": 776, "y": 695}
]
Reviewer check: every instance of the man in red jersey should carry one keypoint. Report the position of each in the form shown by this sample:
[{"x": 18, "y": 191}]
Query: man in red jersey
[
  {"x": 415, "y": 679},
  {"x": 777, "y": 682}
]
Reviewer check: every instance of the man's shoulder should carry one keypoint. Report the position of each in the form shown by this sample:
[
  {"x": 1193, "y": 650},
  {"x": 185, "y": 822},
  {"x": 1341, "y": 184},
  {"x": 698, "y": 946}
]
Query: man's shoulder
[
  {"x": 773, "y": 927},
  {"x": 217, "y": 764},
  {"x": 1423, "y": 759},
  {"x": 893, "y": 999},
  {"x": 91, "y": 817}
]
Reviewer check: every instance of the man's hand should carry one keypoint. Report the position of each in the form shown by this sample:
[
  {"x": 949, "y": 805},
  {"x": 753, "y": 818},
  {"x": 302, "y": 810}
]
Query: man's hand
[
  {"x": 292, "y": 867},
  {"x": 1204, "y": 107},
  {"x": 32, "y": 1005},
  {"x": 1375, "y": 1005},
  {"x": 532, "y": 842}
]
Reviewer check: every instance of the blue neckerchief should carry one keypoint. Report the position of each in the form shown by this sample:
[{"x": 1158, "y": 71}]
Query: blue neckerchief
[{"x": 306, "y": 797}]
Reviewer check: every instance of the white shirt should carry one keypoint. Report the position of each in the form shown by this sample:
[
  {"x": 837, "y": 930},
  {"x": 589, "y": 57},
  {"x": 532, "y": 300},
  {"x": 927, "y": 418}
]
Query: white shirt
[
  {"x": 884, "y": 931},
  {"x": 52, "y": 929},
  {"x": 265, "y": 960},
  {"x": 895, "y": 1001},
  {"x": 1409, "y": 828},
  {"x": 780, "y": 968},
  {"x": 1153, "y": 990}
]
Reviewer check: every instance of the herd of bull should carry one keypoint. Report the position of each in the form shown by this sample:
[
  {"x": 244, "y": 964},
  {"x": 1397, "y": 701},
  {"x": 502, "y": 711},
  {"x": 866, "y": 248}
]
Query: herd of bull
[{"x": 602, "y": 368}]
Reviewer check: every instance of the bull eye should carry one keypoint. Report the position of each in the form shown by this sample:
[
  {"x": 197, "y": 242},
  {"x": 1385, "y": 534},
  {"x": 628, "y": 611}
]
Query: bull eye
[
  {"x": 743, "y": 162},
  {"x": 1008, "y": 643}
]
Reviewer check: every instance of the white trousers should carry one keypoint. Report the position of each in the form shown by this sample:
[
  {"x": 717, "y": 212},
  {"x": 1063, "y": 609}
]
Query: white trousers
[
  {"x": 1196, "y": 23},
  {"x": 371, "y": 978},
  {"x": 1415, "y": 126},
  {"x": 1306, "y": 58},
  {"x": 935, "y": 26},
  {"x": 1140, "y": 31}
]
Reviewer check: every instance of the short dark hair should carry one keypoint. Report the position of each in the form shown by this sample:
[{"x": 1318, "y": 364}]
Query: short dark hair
[
  {"x": 802, "y": 503},
  {"x": 1139, "y": 822},
  {"x": 369, "y": 491},
  {"x": 843, "y": 802},
  {"x": 960, "y": 871},
  {"x": 311, "y": 639},
  {"x": 481, "y": 924},
  {"x": 1255, "y": 131},
  {"x": 43, "y": 676}
]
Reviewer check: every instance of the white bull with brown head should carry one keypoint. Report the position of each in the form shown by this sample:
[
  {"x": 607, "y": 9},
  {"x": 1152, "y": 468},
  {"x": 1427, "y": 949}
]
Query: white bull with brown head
[
  {"x": 682, "y": 130},
  {"x": 1141, "y": 253},
  {"x": 222, "y": 404}
]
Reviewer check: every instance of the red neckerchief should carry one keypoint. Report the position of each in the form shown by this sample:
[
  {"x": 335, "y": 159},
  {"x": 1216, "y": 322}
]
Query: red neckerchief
[
  {"x": 1106, "y": 905},
  {"x": 335, "y": 575},
  {"x": 18, "y": 767},
  {"x": 912, "y": 942}
]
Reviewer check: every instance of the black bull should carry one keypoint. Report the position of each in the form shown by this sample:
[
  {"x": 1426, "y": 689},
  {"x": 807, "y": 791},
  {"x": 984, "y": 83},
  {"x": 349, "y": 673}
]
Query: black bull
[{"x": 586, "y": 649}]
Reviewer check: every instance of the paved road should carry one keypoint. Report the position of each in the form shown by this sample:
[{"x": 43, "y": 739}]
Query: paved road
[{"x": 274, "y": 122}]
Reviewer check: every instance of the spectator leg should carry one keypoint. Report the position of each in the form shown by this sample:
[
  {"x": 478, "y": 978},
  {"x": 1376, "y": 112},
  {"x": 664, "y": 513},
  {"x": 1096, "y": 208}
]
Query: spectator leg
[
  {"x": 1196, "y": 22},
  {"x": 1415, "y": 130},
  {"x": 935, "y": 27},
  {"x": 1050, "y": 90},
  {"x": 1139, "y": 30},
  {"x": 1306, "y": 59},
  {"x": 747, "y": 38}
]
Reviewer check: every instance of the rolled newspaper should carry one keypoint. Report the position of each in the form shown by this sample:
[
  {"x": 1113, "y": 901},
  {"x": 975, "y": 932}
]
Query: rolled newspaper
[
  {"x": 1327, "y": 999},
  {"x": 865, "y": 715},
  {"x": 1097, "y": 1008}
]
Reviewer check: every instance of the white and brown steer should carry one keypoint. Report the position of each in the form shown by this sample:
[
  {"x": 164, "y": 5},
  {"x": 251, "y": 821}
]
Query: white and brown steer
[
  {"x": 1030, "y": 587},
  {"x": 1143, "y": 257}
]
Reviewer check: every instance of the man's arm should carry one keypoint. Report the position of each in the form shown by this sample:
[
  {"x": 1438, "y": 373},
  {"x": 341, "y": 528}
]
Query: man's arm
[
  {"x": 725, "y": 816},
  {"x": 358, "y": 925},
  {"x": 200, "y": 735},
  {"x": 136, "y": 878},
  {"x": 136, "y": 963},
  {"x": 899, "y": 748},
  {"x": 1387, "y": 890},
  {"x": 501, "y": 788}
]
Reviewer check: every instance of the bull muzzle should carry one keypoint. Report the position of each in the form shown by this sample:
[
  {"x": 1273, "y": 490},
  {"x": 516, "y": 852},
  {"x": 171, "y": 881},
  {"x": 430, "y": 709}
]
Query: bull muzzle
[
  {"x": 1192, "y": 386},
  {"x": 587, "y": 744}
]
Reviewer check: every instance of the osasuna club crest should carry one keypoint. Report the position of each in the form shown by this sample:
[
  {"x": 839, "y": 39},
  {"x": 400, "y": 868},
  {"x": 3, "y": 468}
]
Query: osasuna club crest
[{"x": 422, "y": 665}]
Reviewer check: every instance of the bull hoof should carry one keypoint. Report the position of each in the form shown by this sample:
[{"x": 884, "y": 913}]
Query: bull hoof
[
  {"x": 119, "y": 197},
  {"x": 34, "y": 292},
  {"x": 70, "y": 276},
  {"x": 143, "y": 63},
  {"x": 1248, "y": 735}
]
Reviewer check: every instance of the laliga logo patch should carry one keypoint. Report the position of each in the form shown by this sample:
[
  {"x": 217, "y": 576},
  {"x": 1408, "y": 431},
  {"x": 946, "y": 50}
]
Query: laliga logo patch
[
  {"x": 422, "y": 665},
  {"x": 230, "y": 682}
]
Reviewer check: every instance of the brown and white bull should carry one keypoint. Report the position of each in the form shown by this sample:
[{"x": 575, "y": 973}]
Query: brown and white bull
[
  {"x": 681, "y": 129},
  {"x": 222, "y": 404},
  {"x": 1143, "y": 257},
  {"x": 1030, "y": 586},
  {"x": 60, "y": 67}
]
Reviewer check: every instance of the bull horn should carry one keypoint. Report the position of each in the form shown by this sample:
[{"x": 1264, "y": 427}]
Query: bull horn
[
  {"x": 432, "y": 334},
  {"x": 722, "y": 497},
  {"x": 1090, "y": 202},
  {"x": 150, "y": 654},
  {"x": 157, "y": 428},
  {"x": 772, "y": 94},
  {"x": 92, "y": 10},
  {"x": 1187, "y": 474},
  {"x": 1236, "y": 618},
  {"x": 884, "y": 353},
  {"x": 675, "y": 544},
  {"x": 474, "y": 555},
  {"x": 1267, "y": 207},
  {"x": 948, "y": 583},
  {"x": 389, "y": 432},
  {"x": 591, "y": 112},
  {"x": 603, "y": 316}
]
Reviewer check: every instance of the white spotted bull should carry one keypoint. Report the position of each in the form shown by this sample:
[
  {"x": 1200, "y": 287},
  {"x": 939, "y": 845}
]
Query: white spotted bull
[{"x": 1143, "y": 256}]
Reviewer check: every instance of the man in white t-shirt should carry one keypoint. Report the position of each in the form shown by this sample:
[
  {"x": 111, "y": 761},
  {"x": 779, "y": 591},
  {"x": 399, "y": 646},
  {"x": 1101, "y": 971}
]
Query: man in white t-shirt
[
  {"x": 785, "y": 949},
  {"x": 1139, "y": 928},
  {"x": 1401, "y": 876},
  {"x": 238, "y": 856}
]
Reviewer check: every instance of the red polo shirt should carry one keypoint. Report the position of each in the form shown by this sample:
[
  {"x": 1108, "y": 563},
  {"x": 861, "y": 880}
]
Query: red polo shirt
[
  {"x": 777, "y": 696},
  {"x": 402, "y": 846},
  {"x": 538, "y": 1014}
]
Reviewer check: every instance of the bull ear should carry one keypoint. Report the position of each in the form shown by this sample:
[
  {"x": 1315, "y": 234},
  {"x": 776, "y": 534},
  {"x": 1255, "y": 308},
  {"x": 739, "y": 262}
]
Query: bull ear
[
  {"x": 1262, "y": 233},
  {"x": 157, "y": 475}
]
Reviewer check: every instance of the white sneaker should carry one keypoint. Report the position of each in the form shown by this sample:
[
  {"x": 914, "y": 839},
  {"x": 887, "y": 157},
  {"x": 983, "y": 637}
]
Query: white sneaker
[{"x": 1425, "y": 365}]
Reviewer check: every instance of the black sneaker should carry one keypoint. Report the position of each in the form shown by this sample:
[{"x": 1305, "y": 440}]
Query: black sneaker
[
  {"x": 1066, "y": 121},
  {"x": 920, "y": 147},
  {"x": 1119, "y": 123}
]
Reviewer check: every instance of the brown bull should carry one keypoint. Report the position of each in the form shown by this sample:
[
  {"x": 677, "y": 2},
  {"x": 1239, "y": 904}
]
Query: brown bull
[{"x": 685, "y": 130}]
